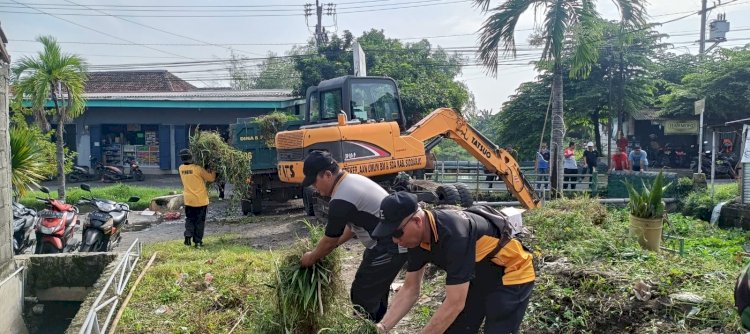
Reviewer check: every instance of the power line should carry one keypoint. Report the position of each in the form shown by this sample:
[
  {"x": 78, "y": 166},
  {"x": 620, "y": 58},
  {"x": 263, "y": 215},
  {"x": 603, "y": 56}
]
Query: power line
[
  {"x": 159, "y": 29},
  {"x": 101, "y": 32}
]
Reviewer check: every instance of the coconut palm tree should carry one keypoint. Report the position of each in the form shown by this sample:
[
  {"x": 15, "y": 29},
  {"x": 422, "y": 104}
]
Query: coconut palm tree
[
  {"x": 568, "y": 26},
  {"x": 27, "y": 160},
  {"x": 58, "y": 76}
]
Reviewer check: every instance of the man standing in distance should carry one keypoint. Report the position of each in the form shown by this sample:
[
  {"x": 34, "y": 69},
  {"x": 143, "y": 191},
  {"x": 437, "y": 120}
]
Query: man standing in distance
[{"x": 354, "y": 209}]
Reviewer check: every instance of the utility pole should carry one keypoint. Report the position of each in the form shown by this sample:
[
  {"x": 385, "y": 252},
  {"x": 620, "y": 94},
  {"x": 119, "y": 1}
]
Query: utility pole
[
  {"x": 320, "y": 31},
  {"x": 702, "y": 49}
]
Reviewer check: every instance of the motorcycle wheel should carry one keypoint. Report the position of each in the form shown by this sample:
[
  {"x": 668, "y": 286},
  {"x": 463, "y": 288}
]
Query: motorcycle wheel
[
  {"x": 96, "y": 247},
  {"x": 72, "y": 178},
  {"x": 48, "y": 248},
  {"x": 139, "y": 176}
]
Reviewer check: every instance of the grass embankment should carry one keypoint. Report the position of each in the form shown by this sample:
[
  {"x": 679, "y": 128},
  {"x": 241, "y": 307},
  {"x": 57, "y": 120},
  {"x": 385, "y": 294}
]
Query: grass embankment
[
  {"x": 119, "y": 193},
  {"x": 175, "y": 296},
  {"x": 590, "y": 286},
  {"x": 588, "y": 268}
]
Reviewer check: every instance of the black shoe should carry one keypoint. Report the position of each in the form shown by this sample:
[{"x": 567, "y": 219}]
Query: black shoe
[
  {"x": 187, "y": 241},
  {"x": 199, "y": 244}
]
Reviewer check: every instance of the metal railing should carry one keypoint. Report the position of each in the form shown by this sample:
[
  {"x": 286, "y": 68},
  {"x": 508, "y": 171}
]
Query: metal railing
[
  {"x": 21, "y": 270},
  {"x": 112, "y": 291},
  {"x": 472, "y": 174}
]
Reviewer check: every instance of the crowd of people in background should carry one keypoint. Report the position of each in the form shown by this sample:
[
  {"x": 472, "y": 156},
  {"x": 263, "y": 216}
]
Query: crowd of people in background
[{"x": 622, "y": 160}]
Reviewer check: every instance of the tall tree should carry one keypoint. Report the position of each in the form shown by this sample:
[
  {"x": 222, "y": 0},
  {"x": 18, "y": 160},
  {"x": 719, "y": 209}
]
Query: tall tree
[
  {"x": 722, "y": 78},
  {"x": 562, "y": 18},
  {"x": 275, "y": 72},
  {"x": 420, "y": 70},
  {"x": 58, "y": 76}
]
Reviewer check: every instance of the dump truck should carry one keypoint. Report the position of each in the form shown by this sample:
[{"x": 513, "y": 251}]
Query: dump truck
[{"x": 246, "y": 136}]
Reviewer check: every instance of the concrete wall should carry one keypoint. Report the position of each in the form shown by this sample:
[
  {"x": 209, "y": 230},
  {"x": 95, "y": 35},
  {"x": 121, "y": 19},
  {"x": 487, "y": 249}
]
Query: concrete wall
[{"x": 10, "y": 292}]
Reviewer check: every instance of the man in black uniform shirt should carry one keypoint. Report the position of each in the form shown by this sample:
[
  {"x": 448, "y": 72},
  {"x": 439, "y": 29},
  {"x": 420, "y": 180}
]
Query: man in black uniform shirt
[{"x": 354, "y": 209}]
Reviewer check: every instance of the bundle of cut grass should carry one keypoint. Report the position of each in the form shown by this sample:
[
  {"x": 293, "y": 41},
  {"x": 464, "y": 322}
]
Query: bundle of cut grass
[
  {"x": 271, "y": 124},
  {"x": 303, "y": 295},
  {"x": 309, "y": 300},
  {"x": 232, "y": 166}
]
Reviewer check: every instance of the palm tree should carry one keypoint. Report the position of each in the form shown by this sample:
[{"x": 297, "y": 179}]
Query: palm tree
[
  {"x": 562, "y": 19},
  {"x": 60, "y": 77},
  {"x": 27, "y": 160}
]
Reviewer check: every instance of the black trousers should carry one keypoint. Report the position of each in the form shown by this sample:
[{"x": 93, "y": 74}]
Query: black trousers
[
  {"x": 570, "y": 179},
  {"x": 502, "y": 307},
  {"x": 195, "y": 222},
  {"x": 372, "y": 282},
  {"x": 220, "y": 186}
]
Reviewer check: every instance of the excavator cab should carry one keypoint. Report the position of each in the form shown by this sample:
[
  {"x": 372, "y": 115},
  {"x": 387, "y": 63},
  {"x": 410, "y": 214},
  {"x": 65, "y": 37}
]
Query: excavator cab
[{"x": 362, "y": 99}]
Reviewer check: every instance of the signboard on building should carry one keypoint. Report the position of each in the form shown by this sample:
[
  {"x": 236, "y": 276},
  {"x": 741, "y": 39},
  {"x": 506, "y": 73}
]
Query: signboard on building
[
  {"x": 681, "y": 127},
  {"x": 700, "y": 106},
  {"x": 360, "y": 64}
]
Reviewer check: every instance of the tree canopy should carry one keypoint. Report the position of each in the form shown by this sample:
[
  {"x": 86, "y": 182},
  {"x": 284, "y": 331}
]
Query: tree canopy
[
  {"x": 723, "y": 78},
  {"x": 426, "y": 75}
]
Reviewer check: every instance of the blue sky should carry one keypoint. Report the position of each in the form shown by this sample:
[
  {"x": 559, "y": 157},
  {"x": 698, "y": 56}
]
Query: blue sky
[{"x": 211, "y": 37}]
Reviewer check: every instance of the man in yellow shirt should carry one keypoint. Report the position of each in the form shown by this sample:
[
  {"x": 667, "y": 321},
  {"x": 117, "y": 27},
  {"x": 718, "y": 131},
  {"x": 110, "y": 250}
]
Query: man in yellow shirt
[{"x": 195, "y": 193}]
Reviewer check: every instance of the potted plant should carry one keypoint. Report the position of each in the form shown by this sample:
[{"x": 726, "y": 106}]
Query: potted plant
[{"x": 647, "y": 212}]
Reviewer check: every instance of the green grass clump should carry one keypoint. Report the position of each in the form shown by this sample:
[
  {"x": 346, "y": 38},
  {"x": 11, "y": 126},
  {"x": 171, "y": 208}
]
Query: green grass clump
[
  {"x": 593, "y": 286},
  {"x": 304, "y": 294},
  {"x": 232, "y": 166},
  {"x": 119, "y": 193},
  {"x": 699, "y": 204},
  {"x": 244, "y": 286}
]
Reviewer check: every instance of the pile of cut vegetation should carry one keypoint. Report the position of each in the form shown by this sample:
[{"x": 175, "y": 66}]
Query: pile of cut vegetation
[
  {"x": 271, "y": 124},
  {"x": 594, "y": 277},
  {"x": 309, "y": 300},
  {"x": 232, "y": 166}
]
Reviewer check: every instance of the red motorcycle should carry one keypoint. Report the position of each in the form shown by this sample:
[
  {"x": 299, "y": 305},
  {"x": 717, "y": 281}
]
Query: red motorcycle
[
  {"x": 56, "y": 226},
  {"x": 116, "y": 174}
]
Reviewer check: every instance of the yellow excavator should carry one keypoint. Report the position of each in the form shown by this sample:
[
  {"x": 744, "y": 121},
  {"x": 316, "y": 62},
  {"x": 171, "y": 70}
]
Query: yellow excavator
[{"x": 360, "y": 121}]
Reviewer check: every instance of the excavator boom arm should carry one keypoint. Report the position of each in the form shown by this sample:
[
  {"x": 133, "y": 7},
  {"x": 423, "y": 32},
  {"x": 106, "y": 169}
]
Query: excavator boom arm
[{"x": 450, "y": 124}]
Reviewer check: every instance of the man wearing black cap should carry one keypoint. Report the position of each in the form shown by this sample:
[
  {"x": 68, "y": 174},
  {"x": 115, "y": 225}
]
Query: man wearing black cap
[
  {"x": 490, "y": 275},
  {"x": 354, "y": 209},
  {"x": 195, "y": 194}
]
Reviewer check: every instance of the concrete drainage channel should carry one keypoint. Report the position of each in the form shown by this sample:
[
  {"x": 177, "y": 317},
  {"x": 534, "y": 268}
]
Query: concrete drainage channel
[{"x": 77, "y": 292}]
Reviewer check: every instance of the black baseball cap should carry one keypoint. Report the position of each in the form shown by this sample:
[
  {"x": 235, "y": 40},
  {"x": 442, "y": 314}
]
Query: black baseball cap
[
  {"x": 316, "y": 162},
  {"x": 394, "y": 208}
]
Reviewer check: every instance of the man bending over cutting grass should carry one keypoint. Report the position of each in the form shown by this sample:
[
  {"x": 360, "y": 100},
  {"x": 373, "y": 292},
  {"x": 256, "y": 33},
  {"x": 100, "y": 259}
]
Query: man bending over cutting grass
[
  {"x": 490, "y": 274},
  {"x": 354, "y": 209}
]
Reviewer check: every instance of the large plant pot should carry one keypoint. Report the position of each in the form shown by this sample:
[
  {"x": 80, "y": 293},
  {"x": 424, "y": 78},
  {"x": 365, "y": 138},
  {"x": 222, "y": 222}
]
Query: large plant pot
[{"x": 647, "y": 231}]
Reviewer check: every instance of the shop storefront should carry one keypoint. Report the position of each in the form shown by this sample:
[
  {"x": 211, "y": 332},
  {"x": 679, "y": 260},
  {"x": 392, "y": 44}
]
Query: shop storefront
[{"x": 121, "y": 143}]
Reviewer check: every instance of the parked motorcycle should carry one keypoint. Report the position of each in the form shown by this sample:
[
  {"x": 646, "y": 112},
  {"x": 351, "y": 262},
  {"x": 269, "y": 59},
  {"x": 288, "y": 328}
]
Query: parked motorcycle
[
  {"x": 84, "y": 173},
  {"x": 114, "y": 174},
  {"x": 23, "y": 224},
  {"x": 724, "y": 165},
  {"x": 56, "y": 226},
  {"x": 101, "y": 232},
  {"x": 680, "y": 158}
]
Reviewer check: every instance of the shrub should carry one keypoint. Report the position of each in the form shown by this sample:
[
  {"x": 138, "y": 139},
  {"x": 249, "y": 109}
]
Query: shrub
[
  {"x": 698, "y": 204},
  {"x": 684, "y": 186}
]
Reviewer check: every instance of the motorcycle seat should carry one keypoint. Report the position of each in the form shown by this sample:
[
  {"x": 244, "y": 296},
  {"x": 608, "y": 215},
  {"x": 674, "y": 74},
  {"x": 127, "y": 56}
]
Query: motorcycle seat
[{"x": 118, "y": 217}]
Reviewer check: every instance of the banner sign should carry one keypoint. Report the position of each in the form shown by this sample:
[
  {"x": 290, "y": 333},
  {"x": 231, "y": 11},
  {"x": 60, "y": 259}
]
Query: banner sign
[{"x": 675, "y": 127}]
